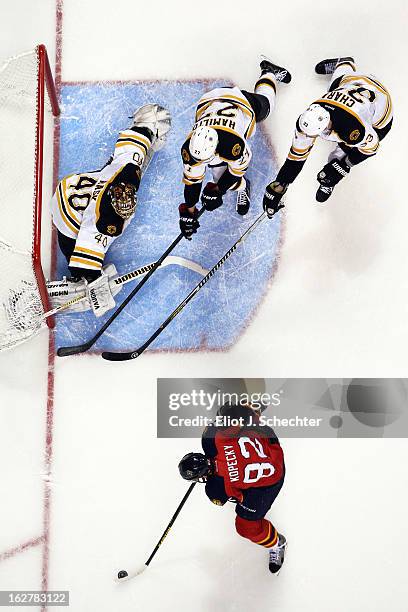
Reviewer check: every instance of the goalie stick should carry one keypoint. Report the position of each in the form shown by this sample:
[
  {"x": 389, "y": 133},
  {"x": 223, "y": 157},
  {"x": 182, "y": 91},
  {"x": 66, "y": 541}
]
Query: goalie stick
[
  {"x": 64, "y": 351},
  {"x": 125, "y": 356},
  {"x": 124, "y": 575},
  {"x": 130, "y": 276}
]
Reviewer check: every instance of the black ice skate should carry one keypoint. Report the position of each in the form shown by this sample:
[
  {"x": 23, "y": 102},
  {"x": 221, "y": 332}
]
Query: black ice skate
[
  {"x": 328, "y": 66},
  {"x": 323, "y": 193},
  {"x": 277, "y": 555},
  {"x": 244, "y": 199},
  {"x": 281, "y": 74}
]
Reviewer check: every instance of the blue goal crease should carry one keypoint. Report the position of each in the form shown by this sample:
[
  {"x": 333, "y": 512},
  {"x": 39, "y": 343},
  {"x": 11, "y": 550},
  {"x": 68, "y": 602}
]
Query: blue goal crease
[{"x": 93, "y": 114}]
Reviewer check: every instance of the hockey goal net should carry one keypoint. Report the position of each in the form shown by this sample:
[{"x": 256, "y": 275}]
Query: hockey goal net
[{"x": 28, "y": 102}]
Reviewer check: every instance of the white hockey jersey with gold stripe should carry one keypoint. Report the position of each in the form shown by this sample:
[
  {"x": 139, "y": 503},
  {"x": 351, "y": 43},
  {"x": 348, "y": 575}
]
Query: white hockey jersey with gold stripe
[
  {"x": 81, "y": 206},
  {"x": 229, "y": 112},
  {"x": 359, "y": 107}
]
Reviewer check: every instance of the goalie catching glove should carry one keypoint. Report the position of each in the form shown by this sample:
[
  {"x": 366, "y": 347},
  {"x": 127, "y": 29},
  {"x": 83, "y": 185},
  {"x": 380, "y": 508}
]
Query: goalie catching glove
[{"x": 155, "y": 118}]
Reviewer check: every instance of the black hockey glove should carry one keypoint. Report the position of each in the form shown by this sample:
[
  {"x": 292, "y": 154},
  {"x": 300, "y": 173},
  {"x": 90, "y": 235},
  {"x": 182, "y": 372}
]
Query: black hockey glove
[
  {"x": 333, "y": 172},
  {"x": 188, "y": 221},
  {"x": 211, "y": 197},
  {"x": 272, "y": 198}
]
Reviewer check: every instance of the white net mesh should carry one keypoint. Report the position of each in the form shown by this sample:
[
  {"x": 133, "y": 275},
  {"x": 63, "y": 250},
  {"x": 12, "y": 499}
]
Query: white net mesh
[{"x": 20, "y": 301}]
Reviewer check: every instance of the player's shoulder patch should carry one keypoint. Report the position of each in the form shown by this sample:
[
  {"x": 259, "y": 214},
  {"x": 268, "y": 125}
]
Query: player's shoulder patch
[
  {"x": 109, "y": 226},
  {"x": 355, "y": 135},
  {"x": 185, "y": 152},
  {"x": 236, "y": 149},
  {"x": 345, "y": 123},
  {"x": 186, "y": 156},
  {"x": 230, "y": 145},
  {"x": 109, "y": 222}
]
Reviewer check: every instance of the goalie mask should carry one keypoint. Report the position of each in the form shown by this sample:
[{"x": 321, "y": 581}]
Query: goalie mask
[{"x": 123, "y": 199}]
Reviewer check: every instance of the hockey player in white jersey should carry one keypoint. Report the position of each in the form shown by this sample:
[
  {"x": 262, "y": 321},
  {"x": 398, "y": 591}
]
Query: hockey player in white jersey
[
  {"x": 355, "y": 113},
  {"x": 92, "y": 209},
  {"x": 225, "y": 119}
]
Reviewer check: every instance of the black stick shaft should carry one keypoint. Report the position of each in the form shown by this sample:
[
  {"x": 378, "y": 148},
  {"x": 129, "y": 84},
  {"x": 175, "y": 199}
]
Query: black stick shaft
[
  {"x": 110, "y": 356},
  {"x": 170, "y": 525},
  {"x": 73, "y": 350}
]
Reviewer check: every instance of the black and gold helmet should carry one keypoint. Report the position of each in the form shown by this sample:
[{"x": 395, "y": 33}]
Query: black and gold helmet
[{"x": 195, "y": 466}]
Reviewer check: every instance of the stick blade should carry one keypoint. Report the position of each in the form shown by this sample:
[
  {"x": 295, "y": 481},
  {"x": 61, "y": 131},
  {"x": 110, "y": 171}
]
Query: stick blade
[
  {"x": 66, "y": 351},
  {"x": 109, "y": 356},
  {"x": 124, "y": 575}
]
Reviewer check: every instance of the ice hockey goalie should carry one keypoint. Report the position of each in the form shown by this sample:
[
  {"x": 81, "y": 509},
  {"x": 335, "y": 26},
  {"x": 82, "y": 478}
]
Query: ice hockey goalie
[{"x": 90, "y": 210}]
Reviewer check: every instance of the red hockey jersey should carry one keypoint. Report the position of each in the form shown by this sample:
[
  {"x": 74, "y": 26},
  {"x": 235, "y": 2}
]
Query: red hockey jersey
[{"x": 250, "y": 460}]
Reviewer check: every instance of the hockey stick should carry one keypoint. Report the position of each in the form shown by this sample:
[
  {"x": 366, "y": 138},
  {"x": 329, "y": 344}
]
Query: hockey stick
[
  {"x": 64, "y": 351},
  {"x": 124, "y": 575},
  {"x": 137, "y": 352},
  {"x": 130, "y": 276}
]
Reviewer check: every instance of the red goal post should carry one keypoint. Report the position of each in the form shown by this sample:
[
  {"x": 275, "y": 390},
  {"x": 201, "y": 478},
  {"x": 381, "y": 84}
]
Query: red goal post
[
  {"x": 28, "y": 103},
  {"x": 44, "y": 80}
]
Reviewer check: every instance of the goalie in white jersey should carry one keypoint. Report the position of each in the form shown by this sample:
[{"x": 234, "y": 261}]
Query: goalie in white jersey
[
  {"x": 92, "y": 209},
  {"x": 225, "y": 119},
  {"x": 355, "y": 113}
]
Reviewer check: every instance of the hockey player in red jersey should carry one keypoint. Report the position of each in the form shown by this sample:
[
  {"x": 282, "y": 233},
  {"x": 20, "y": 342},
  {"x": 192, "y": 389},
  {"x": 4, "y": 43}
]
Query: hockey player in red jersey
[
  {"x": 355, "y": 113},
  {"x": 242, "y": 463},
  {"x": 225, "y": 119}
]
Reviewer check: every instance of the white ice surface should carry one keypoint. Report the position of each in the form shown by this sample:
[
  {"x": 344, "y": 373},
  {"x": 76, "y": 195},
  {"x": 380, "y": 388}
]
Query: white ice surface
[{"x": 337, "y": 308}]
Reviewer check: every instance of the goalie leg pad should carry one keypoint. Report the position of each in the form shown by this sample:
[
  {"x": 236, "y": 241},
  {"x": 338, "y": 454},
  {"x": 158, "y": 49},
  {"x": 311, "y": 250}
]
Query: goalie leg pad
[{"x": 64, "y": 290}]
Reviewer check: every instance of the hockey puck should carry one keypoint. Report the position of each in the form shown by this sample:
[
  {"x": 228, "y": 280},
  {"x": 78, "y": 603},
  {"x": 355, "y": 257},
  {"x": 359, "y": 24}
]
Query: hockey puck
[{"x": 122, "y": 574}]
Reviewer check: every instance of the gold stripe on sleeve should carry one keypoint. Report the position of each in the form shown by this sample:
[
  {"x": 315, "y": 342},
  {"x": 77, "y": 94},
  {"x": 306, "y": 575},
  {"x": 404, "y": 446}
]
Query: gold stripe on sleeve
[
  {"x": 86, "y": 262},
  {"x": 90, "y": 252}
]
